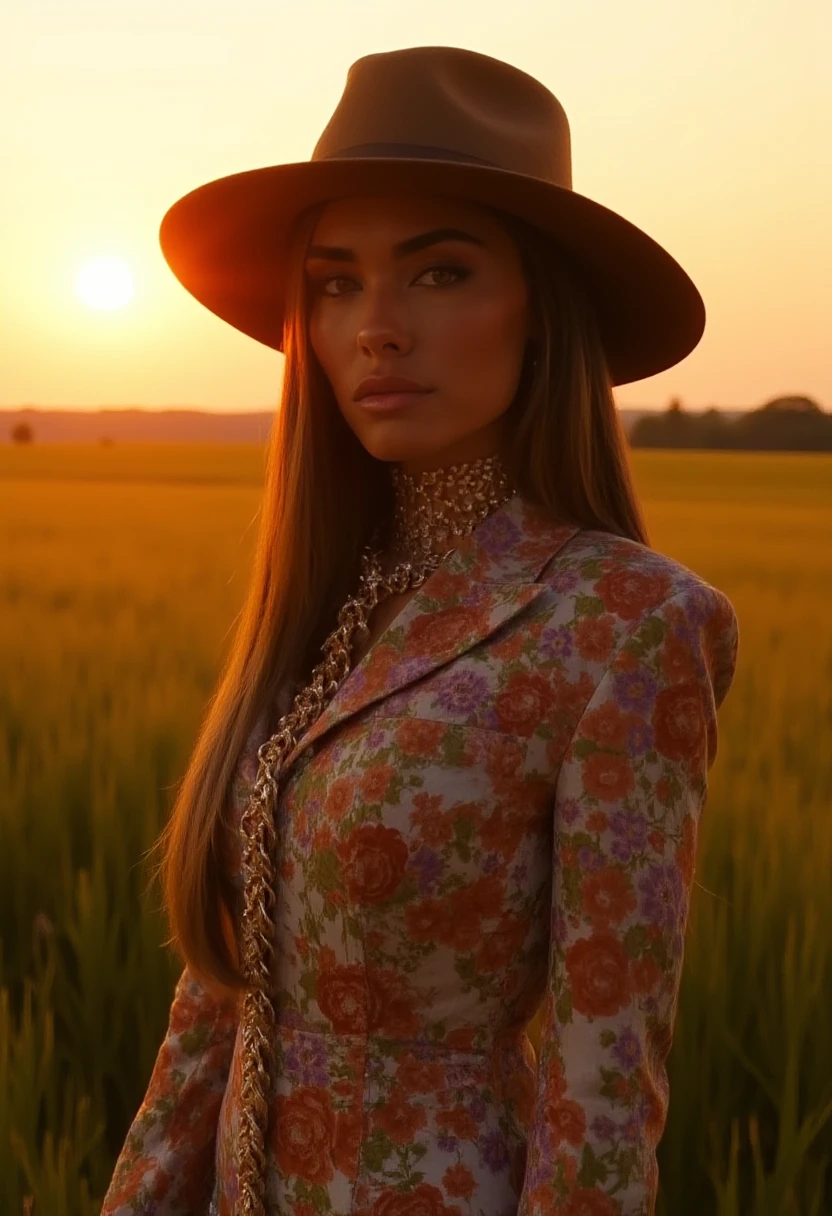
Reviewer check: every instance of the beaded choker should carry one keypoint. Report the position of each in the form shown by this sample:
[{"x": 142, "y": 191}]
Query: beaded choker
[{"x": 430, "y": 509}]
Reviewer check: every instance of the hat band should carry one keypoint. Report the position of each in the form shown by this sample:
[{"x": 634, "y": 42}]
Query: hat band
[{"x": 408, "y": 152}]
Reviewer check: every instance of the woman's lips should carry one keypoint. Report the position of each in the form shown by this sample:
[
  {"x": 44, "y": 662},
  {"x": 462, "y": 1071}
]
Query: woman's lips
[{"x": 384, "y": 403}]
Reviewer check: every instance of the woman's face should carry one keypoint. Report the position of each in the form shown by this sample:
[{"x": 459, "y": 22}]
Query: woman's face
[{"x": 429, "y": 290}]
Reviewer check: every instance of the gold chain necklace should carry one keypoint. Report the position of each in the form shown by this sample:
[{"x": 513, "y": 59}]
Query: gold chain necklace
[{"x": 258, "y": 836}]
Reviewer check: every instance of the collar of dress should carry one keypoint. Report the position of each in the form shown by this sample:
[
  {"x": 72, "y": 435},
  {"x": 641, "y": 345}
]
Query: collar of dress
[{"x": 489, "y": 578}]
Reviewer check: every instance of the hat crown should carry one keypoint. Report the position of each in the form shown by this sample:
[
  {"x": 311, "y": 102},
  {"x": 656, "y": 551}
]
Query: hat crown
[{"x": 445, "y": 103}]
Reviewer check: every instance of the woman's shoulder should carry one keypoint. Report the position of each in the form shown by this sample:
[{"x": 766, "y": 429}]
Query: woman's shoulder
[
  {"x": 623, "y": 592},
  {"x": 629, "y": 577}
]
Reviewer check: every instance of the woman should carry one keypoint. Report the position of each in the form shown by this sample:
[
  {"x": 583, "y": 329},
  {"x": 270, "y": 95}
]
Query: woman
[{"x": 483, "y": 800}]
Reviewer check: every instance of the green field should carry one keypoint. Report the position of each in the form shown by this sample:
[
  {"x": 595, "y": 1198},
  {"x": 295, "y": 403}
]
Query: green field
[{"x": 121, "y": 572}]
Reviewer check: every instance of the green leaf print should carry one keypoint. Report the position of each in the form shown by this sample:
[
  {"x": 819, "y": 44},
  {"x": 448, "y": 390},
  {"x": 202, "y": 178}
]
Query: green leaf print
[
  {"x": 589, "y": 605},
  {"x": 375, "y": 1150},
  {"x": 592, "y": 1169}
]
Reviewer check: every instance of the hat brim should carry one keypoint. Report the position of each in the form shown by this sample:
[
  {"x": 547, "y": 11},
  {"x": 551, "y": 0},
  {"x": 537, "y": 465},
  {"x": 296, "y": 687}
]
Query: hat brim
[{"x": 226, "y": 242}]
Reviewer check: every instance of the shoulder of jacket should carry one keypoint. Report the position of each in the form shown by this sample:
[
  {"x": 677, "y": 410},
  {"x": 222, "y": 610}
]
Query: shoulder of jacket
[
  {"x": 592, "y": 554},
  {"x": 630, "y": 582}
]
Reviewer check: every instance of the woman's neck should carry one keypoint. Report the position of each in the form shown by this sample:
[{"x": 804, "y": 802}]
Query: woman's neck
[{"x": 432, "y": 509}]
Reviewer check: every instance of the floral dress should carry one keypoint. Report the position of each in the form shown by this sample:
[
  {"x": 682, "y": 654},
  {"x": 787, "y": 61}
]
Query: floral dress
[{"x": 496, "y": 814}]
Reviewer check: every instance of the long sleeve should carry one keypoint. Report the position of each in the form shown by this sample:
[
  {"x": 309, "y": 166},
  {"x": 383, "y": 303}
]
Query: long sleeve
[
  {"x": 628, "y": 801},
  {"x": 166, "y": 1166}
]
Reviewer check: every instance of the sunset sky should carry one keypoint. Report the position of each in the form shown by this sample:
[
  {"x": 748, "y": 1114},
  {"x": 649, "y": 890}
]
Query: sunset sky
[{"x": 708, "y": 125}]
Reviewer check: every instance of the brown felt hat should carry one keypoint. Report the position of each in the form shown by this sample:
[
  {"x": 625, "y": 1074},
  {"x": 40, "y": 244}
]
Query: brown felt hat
[{"x": 439, "y": 120}]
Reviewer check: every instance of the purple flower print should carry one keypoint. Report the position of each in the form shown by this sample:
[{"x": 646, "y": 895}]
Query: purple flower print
[
  {"x": 500, "y": 535},
  {"x": 564, "y": 581},
  {"x": 518, "y": 874},
  {"x": 494, "y": 1151},
  {"x": 478, "y": 1108},
  {"x": 376, "y": 738},
  {"x": 603, "y": 1128},
  {"x": 447, "y": 1142},
  {"x": 427, "y": 866},
  {"x": 634, "y": 690},
  {"x": 570, "y": 809},
  {"x": 306, "y": 1060},
  {"x": 627, "y": 1051},
  {"x": 630, "y": 834},
  {"x": 462, "y": 692},
  {"x": 491, "y": 863},
  {"x": 698, "y": 607},
  {"x": 560, "y": 929},
  {"x": 588, "y": 859},
  {"x": 457, "y": 1073},
  {"x": 663, "y": 892},
  {"x": 556, "y": 643},
  {"x": 632, "y": 1129}
]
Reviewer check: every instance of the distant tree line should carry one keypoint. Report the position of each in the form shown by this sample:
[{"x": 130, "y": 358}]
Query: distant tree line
[{"x": 785, "y": 424}]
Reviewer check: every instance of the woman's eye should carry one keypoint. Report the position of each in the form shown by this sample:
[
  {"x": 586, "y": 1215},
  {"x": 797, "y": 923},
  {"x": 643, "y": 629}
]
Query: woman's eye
[
  {"x": 456, "y": 273},
  {"x": 324, "y": 285},
  {"x": 340, "y": 285}
]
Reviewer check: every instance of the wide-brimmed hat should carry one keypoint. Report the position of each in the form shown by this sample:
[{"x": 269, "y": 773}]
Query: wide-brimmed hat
[{"x": 439, "y": 120}]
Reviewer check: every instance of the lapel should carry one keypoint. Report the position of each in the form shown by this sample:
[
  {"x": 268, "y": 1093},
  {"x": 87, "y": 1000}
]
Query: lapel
[{"x": 488, "y": 579}]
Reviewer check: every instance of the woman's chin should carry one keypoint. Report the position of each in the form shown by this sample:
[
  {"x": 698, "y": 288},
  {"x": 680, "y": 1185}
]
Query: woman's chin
[{"x": 385, "y": 444}]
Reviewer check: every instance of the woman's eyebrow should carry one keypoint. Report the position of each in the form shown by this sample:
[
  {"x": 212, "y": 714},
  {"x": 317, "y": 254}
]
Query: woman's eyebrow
[{"x": 336, "y": 253}]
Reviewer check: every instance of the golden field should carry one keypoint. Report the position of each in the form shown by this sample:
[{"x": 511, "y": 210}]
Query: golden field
[{"x": 121, "y": 571}]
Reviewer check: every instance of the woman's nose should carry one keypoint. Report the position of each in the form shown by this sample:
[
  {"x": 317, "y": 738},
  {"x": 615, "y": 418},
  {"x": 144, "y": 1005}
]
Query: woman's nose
[{"x": 381, "y": 328}]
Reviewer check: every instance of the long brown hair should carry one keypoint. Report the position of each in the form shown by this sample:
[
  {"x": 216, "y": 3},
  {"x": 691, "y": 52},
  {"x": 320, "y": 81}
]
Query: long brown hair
[{"x": 565, "y": 452}]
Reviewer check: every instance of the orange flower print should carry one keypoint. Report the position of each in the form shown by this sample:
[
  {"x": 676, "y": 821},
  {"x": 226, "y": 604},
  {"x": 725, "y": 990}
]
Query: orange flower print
[
  {"x": 598, "y": 821},
  {"x": 589, "y": 1201},
  {"x": 629, "y": 592},
  {"x": 523, "y": 703},
  {"x": 420, "y": 736},
  {"x": 374, "y": 859},
  {"x": 607, "y": 776},
  {"x": 679, "y": 723},
  {"x": 594, "y": 638},
  {"x": 303, "y": 1208},
  {"x": 419, "y": 1076},
  {"x": 423, "y": 1200},
  {"x": 502, "y": 758},
  {"x": 461, "y": 1038},
  {"x": 342, "y": 997},
  {"x": 339, "y": 799},
  {"x": 598, "y": 971},
  {"x": 458, "y": 1121},
  {"x": 520, "y": 1090},
  {"x": 303, "y": 1132},
  {"x": 677, "y": 660},
  {"x": 458, "y": 1181},
  {"x": 400, "y": 1119},
  {"x": 501, "y": 944},
  {"x": 503, "y": 831},
  {"x": 607, "y": 896},
  {"x": 462, "y": 928},
  {"x": 434, "y": 824},
  {"x": 346, "y": 1145},
  {"x": 685, "y": 856},
  {"x": 567, "y": 1119},
  {"x": 608, "y": 725},
  {"x": 376, "y": 780},
  {"x": 444, "y": 631},
  {"x": 392, "y": 1005}
]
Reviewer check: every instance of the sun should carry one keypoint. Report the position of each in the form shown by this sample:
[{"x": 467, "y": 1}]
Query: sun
[{"x": 105, "y": 283}]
